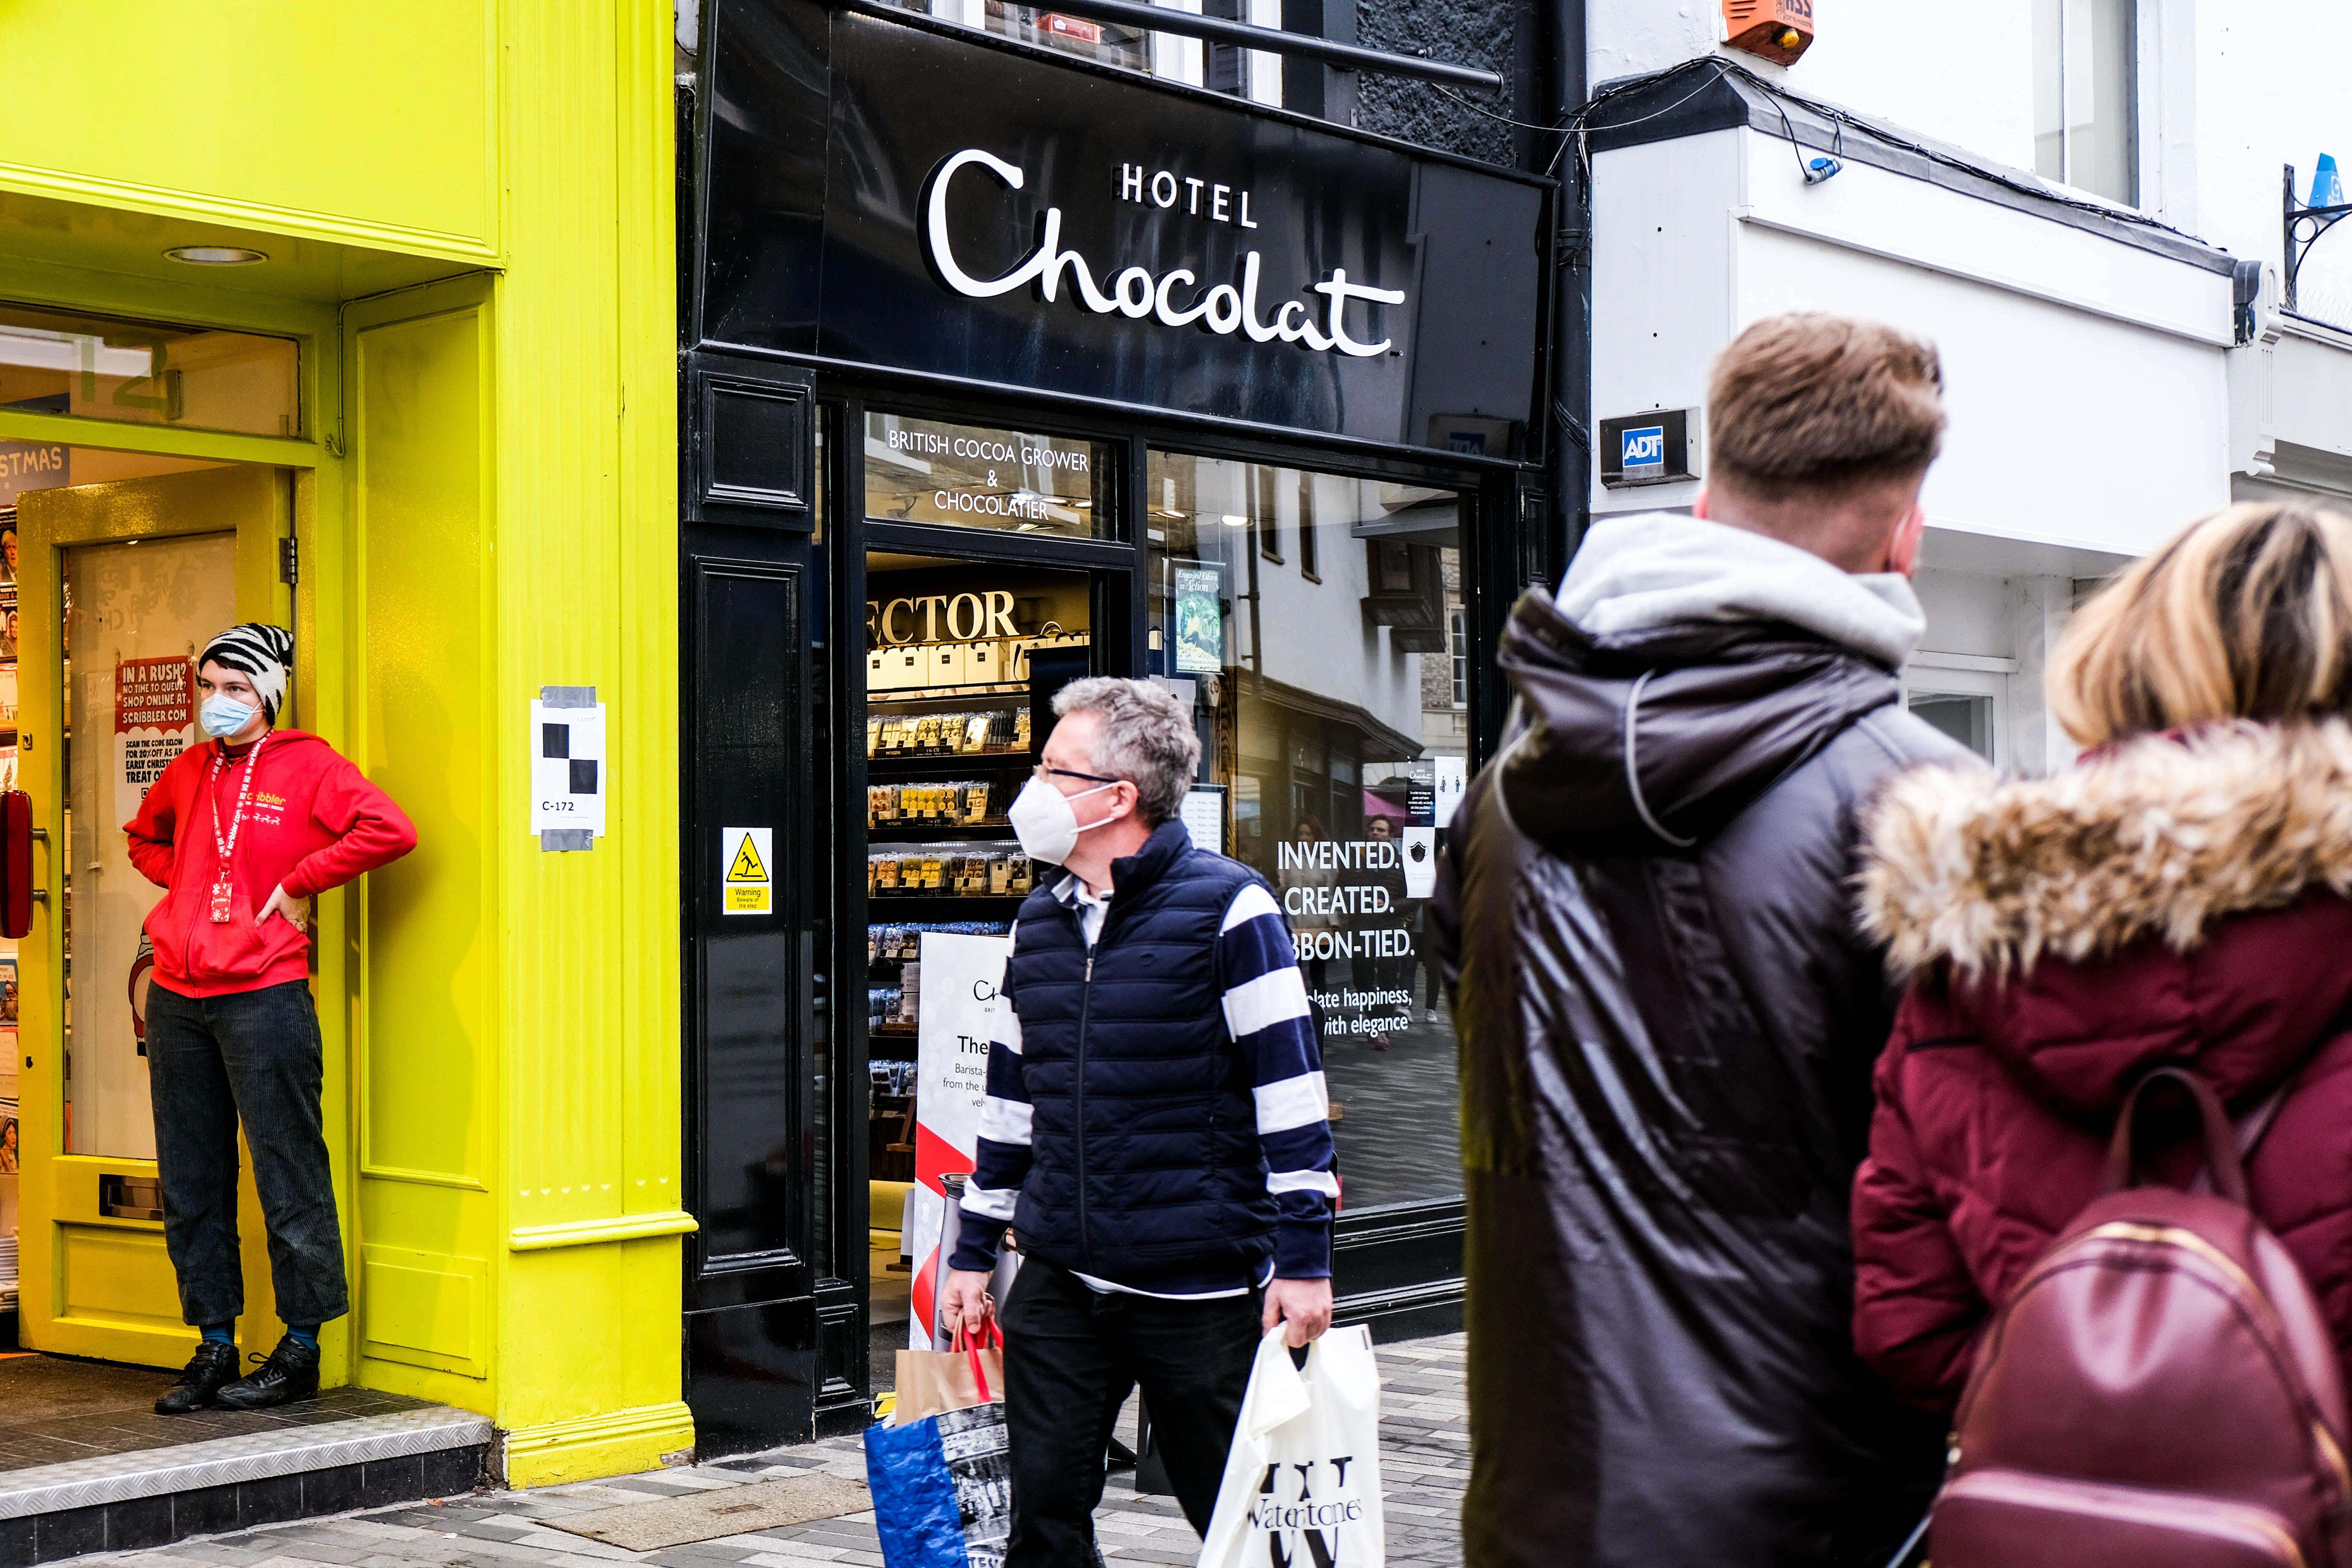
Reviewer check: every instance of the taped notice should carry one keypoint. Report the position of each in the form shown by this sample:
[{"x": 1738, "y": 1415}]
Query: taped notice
[
  {"x": 154, "y": 721},
  {"x": 748, "y": 881}
]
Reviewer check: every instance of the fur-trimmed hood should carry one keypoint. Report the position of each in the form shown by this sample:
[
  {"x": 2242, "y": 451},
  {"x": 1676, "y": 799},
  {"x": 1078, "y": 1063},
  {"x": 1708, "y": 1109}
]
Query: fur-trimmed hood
[{"x": 2161, "y": 836}]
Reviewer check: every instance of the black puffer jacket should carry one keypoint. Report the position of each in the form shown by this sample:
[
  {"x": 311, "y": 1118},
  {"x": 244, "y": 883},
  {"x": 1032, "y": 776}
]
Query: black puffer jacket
[{"x": 1667, "y": 1026}]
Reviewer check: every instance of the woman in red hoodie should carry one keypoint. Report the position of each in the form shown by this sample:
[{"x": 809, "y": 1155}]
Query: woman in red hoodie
[
  {"x": 242, "y": 832},
  {"x": 2178, "y": 896}
]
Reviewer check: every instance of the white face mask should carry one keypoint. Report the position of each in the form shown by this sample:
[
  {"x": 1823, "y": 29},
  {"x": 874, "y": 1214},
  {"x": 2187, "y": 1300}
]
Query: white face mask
[
  {"x": 1046, "y": 823},
  {"x": 223, "y": 716}
]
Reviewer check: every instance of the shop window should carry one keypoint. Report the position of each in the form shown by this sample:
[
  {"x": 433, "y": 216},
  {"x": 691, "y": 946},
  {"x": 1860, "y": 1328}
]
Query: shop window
[
  {"x": 1324, "y": 702},
  {"x": 1105, "y": 42},
  {"x": 1309, "y": 565},
  {"x": 1458, "y": 633},
  {"x": 2085, "y": 92},
  {"x": 1253, "y": 74},
  {"x": 922, "y": 470},
  {"x": 1964, "y": 698},
  {"x": 143, "y": 372}
]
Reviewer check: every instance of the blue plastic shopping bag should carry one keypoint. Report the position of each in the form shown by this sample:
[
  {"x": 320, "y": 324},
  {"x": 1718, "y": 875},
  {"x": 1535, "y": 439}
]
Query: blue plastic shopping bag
[{"x": 942, "y": 1485}]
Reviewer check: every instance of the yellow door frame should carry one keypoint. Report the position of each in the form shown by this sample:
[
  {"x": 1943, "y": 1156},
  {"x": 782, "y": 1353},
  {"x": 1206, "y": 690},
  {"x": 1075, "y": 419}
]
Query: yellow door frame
[
  {"x": 60, "y": 1214},
  {"x": 313, "y": 463}
]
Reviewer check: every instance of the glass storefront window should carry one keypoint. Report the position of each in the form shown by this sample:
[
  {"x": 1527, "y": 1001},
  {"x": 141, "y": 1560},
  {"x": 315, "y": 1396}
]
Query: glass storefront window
[
  {"x": 143, "y": 372},
  {"x": 1310, "y": 618},
  {"x": 922, "y": 470}
]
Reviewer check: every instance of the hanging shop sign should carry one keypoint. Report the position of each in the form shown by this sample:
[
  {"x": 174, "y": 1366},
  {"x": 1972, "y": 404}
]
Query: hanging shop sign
[
  {"x": 32, "y": 466},
  {"x": 998, "y": 216}
]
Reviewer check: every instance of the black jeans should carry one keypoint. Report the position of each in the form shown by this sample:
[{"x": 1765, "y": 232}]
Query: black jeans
[
  {"x": 214, "y": 1061},
  {"x": 1071, "y": 1357}
]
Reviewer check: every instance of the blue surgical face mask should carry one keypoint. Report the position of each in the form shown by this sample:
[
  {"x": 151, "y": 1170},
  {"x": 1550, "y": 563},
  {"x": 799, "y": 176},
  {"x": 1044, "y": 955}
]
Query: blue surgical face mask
[{"x": 224, "y": 716}]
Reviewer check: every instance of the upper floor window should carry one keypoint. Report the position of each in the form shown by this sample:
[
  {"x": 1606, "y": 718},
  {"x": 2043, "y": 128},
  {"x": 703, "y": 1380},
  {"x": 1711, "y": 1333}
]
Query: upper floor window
[
  {"x": 1253, "y": 74},
  {"x": 147, "y": 372},
  {"x": 2086, "y": 96}
]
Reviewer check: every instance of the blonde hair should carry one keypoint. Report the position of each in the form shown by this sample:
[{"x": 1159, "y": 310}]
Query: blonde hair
[{"x": 2246, "y": 614}]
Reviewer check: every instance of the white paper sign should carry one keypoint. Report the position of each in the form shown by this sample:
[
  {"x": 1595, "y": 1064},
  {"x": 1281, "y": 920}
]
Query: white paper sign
[
  {"x": 1418, "y": 852},
  {"x": 747, "y": 859},
  {"x": 1204, "y": 817},
  {"x": 567, "y": 768},
  {"x": 1452, "y": 778},
  {"x": 955, "y": 1014}
]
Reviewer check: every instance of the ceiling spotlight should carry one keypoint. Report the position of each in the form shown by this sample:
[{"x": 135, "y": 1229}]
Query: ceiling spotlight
[
  {"x": 1236, "y": 520},
  {"x": 215, "y": 255}
]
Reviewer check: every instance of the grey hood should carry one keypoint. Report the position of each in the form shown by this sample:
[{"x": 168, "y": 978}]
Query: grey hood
[
  {"x": 1637, "y": 574},
  {"x": 1685, "y": 682}
]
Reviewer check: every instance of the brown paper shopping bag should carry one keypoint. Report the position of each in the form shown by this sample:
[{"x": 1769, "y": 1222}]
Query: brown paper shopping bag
[{"x": 932, "y": 1383}]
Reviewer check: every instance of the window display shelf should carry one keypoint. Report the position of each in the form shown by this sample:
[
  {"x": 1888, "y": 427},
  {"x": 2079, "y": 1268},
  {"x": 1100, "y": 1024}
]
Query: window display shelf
[
  {"x": 912, "y": 832},
  {"x": 961, "y": 900},
  {"x": 906, "y": 764},
  {"x": 994, "y": 691}
]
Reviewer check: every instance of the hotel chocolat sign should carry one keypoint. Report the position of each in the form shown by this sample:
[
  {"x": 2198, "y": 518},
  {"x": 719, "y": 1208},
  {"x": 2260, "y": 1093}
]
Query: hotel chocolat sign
[
  {"x": 993, "y": 217},
  {"x": 1136, "y": 292}
]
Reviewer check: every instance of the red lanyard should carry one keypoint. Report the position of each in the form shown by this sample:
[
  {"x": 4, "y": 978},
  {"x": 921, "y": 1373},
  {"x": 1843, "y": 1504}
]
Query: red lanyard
[{"x": 227, "y": 850}]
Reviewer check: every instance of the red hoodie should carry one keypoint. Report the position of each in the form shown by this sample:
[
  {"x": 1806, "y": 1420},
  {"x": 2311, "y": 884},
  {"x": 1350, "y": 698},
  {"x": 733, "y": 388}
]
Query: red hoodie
[{"x": 312, "y": 822}]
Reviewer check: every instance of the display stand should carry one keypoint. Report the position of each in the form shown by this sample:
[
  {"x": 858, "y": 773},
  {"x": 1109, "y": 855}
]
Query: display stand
[
  {"x": 942, "y": 765},
  {"x": 11, "y": 1149}
]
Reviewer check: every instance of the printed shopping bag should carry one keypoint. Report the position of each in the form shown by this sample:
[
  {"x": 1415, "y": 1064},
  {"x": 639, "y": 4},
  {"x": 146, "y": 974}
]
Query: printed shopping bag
[
  {"x": 942, "y": 1482},
  {"x": 931, "y": 1383},
  {"x": 1302, "y": 1486}
]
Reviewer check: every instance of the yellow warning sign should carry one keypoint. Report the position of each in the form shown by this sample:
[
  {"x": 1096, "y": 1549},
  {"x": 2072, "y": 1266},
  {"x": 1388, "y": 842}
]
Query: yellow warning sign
[
  {"x": 748, "y": 866},
  {"x": 749, "y": 885}
]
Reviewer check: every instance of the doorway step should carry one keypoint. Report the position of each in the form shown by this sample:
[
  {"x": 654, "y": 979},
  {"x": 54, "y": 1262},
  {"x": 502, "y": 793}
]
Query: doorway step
[{"x": 86, "y": 1466}]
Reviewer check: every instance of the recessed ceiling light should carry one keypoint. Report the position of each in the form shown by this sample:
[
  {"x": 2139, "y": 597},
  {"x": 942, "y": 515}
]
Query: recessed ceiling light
[
  {"x": 215, "y": 255},
  {"x": 1236, "y": 520}
]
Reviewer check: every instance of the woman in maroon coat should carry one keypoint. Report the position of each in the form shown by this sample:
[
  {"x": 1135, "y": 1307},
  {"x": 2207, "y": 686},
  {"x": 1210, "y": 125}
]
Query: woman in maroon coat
[{"x": 2179, "y": 896}]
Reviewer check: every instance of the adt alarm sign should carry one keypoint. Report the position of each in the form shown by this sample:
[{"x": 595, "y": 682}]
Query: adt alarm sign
[{"x": 1651, "y": 448}]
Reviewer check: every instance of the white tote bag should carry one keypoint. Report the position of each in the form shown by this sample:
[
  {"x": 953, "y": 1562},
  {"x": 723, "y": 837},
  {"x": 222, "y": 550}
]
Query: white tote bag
[{"x": 1302, "y": 1479}]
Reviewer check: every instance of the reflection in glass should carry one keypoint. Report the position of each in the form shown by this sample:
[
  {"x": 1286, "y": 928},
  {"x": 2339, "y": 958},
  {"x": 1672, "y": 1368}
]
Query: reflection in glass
[
  {"x": 2085, "y": 86},
  {"x": 145, "y": 374},
  {"x": 922, "y": 470},
  {"x": 1310, "y": 618},
  {"x": 1965, "y": 716},
  {"x": 139, "y": 615}
]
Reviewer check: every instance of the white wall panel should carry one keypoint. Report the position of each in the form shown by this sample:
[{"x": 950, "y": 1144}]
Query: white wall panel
[{"x": 2066, "y": 428}]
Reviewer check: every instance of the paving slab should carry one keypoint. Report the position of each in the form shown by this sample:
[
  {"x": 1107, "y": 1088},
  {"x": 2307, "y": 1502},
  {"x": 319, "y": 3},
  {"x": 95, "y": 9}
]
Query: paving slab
[{"x": 1424, "y": 1442}]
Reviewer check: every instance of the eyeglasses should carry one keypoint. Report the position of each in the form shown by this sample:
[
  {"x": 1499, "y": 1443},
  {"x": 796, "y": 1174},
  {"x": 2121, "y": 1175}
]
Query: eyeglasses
[{"x": 1044, "y": 771}]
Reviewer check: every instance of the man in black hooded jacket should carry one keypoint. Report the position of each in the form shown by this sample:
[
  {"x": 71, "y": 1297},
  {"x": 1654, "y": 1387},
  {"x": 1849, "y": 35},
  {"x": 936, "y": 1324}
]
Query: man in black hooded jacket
[{"x": 1667, "y": 1019}]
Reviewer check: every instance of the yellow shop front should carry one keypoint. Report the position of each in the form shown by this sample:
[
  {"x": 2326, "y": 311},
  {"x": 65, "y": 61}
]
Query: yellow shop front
[{"x": 359, "y": 319}]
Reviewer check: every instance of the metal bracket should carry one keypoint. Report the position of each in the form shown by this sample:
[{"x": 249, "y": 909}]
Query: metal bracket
[{"x": 2303, "y": 226}]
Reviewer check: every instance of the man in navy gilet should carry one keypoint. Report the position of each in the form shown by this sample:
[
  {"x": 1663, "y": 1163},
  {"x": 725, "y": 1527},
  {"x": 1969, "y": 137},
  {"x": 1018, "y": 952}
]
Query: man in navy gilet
[{"x": 1156, "y": 1130}]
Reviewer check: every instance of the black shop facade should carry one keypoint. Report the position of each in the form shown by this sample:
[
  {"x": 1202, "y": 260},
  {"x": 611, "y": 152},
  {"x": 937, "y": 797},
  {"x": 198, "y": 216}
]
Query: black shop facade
[{"x": 1003, "y": 368}]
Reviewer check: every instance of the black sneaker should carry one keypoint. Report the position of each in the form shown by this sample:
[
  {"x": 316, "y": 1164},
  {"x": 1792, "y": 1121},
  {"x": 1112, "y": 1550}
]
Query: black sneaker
[
  {"x": 213, "y": 1366},
  {"x": 292, "y": 1373}
]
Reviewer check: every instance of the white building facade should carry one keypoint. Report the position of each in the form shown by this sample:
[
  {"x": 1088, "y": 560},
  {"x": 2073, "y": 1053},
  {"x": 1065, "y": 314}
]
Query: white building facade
[{"x": 2080, "y": 201}]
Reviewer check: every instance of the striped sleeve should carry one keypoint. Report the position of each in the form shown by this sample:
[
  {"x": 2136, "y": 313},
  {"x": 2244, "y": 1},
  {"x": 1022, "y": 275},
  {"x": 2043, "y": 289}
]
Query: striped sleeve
[
  {"x": 1002, "y": 1159},
  {"x": 1266, "y": 1013}
]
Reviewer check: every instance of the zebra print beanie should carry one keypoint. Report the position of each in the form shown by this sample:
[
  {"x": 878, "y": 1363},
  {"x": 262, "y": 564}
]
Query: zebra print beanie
[{"x": 259, "y": 651}]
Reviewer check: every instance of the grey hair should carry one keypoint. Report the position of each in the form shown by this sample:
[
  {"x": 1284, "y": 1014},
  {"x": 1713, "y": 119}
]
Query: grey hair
[{"x": 1145, "y": 737}]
